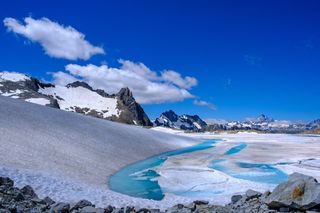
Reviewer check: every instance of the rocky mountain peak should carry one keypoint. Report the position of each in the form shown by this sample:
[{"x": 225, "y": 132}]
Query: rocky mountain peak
[
  {"x": 184, "y": 122},
  {"x": 171, "y": 115},
  {"x": 124, "y": 93}
]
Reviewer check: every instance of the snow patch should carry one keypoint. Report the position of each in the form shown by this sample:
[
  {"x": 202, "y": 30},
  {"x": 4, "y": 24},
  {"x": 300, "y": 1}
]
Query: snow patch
[
  {"x": 71, "y": 97},
  {"x": 13, "y": 93},
  {"x": 41, "y": 101},
  {"x": 12, "y": 76}
]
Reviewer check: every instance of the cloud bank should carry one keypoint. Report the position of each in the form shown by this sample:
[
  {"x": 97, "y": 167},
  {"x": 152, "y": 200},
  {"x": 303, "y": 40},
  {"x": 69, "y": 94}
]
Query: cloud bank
[
  {"x": 148, "y": 87},
  {"x": 57, "y": 40}
]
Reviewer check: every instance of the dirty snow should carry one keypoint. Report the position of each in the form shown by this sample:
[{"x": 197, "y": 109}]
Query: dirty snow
[{"x": 69, "y": 97}]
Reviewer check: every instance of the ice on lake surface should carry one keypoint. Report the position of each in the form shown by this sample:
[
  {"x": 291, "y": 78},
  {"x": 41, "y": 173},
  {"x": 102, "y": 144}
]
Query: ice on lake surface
[
  {"x": 256, "y": 172},
  {"x": 141, "y": 179}
]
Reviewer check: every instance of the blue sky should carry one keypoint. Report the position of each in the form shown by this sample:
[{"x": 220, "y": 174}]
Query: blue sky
[{"x": 248, "y": 57}]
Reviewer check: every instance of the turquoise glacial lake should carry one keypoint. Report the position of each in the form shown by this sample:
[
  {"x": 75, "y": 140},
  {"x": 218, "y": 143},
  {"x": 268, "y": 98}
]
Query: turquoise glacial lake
[{"x": 140, "y": 179}]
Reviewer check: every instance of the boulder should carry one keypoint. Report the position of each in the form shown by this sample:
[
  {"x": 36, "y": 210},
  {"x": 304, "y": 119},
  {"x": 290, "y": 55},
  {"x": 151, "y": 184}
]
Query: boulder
[
  {"x": 6, "y": 181},
  {"x": 60, "y": 208},
  {"x": 48, "y": 201},
  {"x": 300, "y": 192},
  {"x": 27, "y": 191},
  {"x": 235, "y": 198},
  {"x": 250, "y": 194},
  {"x": 91, "y": 209},
  {"x": 81, "y": 204}
]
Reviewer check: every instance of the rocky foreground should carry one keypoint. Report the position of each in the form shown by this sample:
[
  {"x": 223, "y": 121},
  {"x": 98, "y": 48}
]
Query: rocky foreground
[{"x": 300, "y": 193}]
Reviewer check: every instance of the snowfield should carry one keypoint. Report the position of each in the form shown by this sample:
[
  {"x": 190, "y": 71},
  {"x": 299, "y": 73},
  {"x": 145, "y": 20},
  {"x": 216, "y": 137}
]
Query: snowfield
[
  {"x": 12, "y": 76},
  {"x": 69, "y": 156},
  {"x": 69, "y": 97}
]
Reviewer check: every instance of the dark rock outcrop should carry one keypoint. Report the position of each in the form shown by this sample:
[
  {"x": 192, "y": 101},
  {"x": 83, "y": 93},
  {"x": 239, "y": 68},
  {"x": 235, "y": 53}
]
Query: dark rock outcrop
[{"x": 131, "y": 111}]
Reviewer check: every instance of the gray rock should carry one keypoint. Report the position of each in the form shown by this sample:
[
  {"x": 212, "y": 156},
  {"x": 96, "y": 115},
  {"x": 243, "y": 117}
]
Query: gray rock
[
  {"x": 201, "y": 202},
  {"x": 5, "y": 181},
  {"x": 48, "y": 201},
  {"x": 179, "y": 208},
  {"x": 109, "y": 209},
  {"x": 300, "y": 192},
  {"x": 250, "y": 194},
  {"x": 284, "y": 209},
  {"x": 129, "y": 209},
  {"x": 143, "y": 210},
  {"x": 27, "y": 191},
  {"x": 81, "y": 204},
  {"x": 235, "y": 198},
  {"x": 90, "y": 209},
  {"x": 60, "y": 208}
]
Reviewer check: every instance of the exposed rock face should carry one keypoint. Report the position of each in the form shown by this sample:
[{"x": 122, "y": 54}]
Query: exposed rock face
[
  {"x": 185, "y": 122},
  {"x": 76, "y": 97},
  {"x": 300, "y": 192},
  {"x": 131, "y": 111}
]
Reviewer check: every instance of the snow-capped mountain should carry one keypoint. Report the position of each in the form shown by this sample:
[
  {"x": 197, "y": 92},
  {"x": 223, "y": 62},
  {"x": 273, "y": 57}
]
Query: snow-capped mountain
[
  {"x": 185, "y": 122},
  {"x": 314, "y": 124},
  {"x": 266, "y": 124},
  {"x": 75, "y": 97}
]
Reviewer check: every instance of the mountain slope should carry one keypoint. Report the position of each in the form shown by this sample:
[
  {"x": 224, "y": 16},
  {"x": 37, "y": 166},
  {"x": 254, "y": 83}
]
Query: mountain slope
[
  {"x": 76, "y": 97},
  {"x": 82, "y": 148}
]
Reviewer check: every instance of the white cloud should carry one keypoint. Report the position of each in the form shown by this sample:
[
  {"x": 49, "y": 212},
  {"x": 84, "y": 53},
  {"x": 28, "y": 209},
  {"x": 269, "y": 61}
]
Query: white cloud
[
  {"x": 62, "y": 78},
  {"x": 57, "y": 40},
  {"x": 148, "y": 87},
  {"x": 176, "y": 79},
  {"x": 205, "y": 103}
]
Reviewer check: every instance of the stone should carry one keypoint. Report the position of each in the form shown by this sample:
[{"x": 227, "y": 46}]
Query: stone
[
  {"x": 88, "y": 209},
  {"x": 60, "y": 208},
  {"x": 143, "y": 210},
  {"x": 27, "y": 191},
  {"x": 300, "y": 192},
  {"x": 284, "y": 209},
  {"x": 250, "y": 194},
  {"x": 201, "y": 202},
  {"x": 235, "y": 198},
  {"x": 81, "y": 204},
  {"x": 129, "y": 209},
  {"x": 109, "y": 209},
  {"x": 48, "y": 201},
  {"x": 6, "y": 182}
]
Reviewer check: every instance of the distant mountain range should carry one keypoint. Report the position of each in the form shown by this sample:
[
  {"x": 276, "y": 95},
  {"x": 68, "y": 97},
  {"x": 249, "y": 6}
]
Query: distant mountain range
[
  {"x": 75, "y": 97},
  {"x": 262, "y": 123}
]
